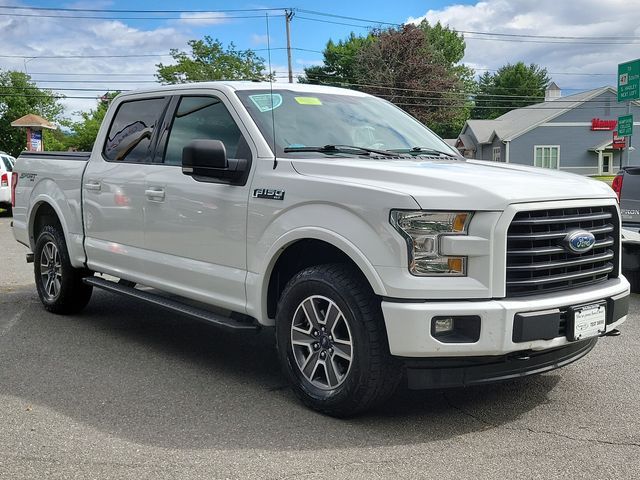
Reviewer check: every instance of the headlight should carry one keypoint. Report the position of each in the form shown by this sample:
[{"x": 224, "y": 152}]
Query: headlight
[{"x": 422, "y": 231}]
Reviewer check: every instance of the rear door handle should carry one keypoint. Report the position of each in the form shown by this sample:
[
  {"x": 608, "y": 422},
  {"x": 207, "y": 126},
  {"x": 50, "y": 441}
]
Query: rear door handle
[
  {"x": 155, "y": 194},
  {"x": 92, "y": 185}
]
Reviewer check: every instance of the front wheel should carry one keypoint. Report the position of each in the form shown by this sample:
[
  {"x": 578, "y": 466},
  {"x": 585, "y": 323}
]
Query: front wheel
[
  {"x": 59, "y": 284},
  {"x": 332, "y": 342}
]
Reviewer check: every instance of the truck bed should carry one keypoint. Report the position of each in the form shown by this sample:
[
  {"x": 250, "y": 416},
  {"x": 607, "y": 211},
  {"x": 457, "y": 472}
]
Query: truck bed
[
  {"x": 55, "y": 179},
  {"x": 79, "y": 156}
]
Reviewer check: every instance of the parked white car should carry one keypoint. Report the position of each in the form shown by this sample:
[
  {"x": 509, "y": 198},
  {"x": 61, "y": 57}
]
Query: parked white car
[
  {"x": 6, "y": 169},
  {"x": 373, "y": 248}
]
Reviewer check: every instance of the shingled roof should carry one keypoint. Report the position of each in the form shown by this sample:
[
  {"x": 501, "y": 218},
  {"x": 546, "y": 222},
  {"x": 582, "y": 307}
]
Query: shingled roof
[
  {"x": 519, "y": 121},
  {"x": 33, "y": 121}
]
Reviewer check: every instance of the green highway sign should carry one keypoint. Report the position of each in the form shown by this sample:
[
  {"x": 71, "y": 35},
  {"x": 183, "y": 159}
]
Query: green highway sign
[
  {"x": 629, "y": 81},
  {"x": 625, "y": 126}
]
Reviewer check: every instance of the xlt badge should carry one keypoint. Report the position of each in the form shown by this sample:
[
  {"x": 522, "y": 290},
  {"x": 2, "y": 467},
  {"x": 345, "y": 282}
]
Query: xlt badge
[{"x": 268, "y": 193}]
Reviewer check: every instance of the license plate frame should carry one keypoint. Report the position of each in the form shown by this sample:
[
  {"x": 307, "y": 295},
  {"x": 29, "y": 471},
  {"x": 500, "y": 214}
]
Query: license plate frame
[{"x": 587, "y": 321}]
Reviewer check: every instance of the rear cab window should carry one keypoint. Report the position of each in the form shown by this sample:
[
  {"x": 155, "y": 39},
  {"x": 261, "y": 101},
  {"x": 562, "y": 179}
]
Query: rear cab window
[{"x": 131, "y": 134}]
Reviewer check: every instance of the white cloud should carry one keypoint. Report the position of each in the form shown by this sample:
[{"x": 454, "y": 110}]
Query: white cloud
[
  {"x": 257, "y": 39},
  {"x": 203, "y": 18},
  {"x": 589, "y": 18},
  {"x": 37, "y": 38}
]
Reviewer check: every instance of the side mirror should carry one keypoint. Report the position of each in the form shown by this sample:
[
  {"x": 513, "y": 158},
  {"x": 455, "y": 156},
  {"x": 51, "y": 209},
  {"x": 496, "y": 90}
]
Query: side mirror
[
  {"x": 207, "y": 159},
  {"x": 204, "y": 158}
]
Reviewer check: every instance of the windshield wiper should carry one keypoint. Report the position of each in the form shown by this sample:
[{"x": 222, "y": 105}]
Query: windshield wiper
[
  {"x": 423, "y": 150},
  {"x": 338, "y": 149}
]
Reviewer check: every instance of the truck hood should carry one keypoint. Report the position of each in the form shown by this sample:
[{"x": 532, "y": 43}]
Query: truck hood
[{"x": 457, "y": 184}]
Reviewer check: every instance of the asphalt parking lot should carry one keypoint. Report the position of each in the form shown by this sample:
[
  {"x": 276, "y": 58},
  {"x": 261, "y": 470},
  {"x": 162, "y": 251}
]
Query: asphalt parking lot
[{"x": 126, "y": 390}]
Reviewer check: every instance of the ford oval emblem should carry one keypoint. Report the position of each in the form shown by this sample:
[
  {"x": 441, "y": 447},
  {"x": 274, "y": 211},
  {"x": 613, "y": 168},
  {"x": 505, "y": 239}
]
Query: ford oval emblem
[{"x": 579, "y": 241}]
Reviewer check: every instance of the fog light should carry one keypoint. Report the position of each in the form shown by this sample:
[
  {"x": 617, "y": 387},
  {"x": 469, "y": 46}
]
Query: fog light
[
  {"x": 458, "y": 329},
  {"x": 442, "y": 325}
]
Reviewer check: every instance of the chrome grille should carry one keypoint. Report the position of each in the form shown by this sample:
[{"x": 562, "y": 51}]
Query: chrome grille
[{"x": 537, "y": 261}]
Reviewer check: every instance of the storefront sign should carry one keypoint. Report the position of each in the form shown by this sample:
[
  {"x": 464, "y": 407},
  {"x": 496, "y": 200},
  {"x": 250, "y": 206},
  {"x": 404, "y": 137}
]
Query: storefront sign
[
  {"x": 618, "y": 142},
  {"x": 599, "y": 124}
]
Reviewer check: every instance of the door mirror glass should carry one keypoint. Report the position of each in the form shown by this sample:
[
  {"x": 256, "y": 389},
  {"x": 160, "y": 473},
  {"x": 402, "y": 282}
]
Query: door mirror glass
[{"x": 204, "y": 158}]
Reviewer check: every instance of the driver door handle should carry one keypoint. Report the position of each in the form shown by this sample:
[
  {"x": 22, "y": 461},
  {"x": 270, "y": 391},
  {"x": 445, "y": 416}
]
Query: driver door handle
[
  {"x": 92, "y": 185},
  {"x": 155, "y": 194}
]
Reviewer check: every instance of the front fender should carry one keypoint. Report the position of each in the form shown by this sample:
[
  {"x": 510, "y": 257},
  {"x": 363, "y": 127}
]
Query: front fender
[{"x": 367, "y": 244}]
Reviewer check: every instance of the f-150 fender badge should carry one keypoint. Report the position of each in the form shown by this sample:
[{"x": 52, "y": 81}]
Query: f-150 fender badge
[{"x": 268, "y": 193}]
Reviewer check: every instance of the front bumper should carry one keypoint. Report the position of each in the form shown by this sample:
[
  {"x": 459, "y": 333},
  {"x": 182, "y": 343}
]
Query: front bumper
[
  {"x": 457, "y": 372},
  {"x": 408, "y": 324}
]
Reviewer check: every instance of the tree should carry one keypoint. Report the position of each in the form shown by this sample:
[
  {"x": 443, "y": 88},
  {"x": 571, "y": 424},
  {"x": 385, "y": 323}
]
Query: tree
[
  {"x": 20, "y": 96},
  {"x": 512, "y": 86},
  {"x": 423, "y": 58},
  {"x": 209, "y": 60},
  {"x": 403, "y": 68},
  {"x": 339, "y": 64},
  {"x": 85, "y": 131}
]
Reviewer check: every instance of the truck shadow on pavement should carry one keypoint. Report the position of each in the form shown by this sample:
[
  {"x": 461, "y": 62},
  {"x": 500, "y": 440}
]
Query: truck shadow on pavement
[{"x": 141, "y": 374}]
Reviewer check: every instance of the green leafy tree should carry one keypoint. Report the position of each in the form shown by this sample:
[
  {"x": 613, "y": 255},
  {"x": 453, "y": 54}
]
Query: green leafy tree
[
  {"x": 85, "y": 131},
  {"x": 19, "y": 96},
  {"x": 56, "y": 140},
  {"x": 210, "y": 60},
  {"x": 512, "y": 86},
  {"x": 419, "y": 58},
  {"x": 340, "y": 62}
]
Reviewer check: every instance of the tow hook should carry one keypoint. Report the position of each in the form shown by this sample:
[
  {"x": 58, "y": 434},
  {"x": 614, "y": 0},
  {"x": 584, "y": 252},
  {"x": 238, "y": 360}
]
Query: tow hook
[
  {"x": 614, "y": 333},
  {"x": 522, "y": 356}
]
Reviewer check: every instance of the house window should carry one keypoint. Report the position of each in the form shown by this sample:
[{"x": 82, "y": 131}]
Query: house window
[
  {"x": 496, "y": 154},
  {"x": 546, "y": 156}
]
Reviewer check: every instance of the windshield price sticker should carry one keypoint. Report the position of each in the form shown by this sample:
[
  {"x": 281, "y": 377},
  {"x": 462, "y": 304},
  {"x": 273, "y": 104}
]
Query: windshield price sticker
[
  {"x": 589, "y": 321},
  {"x": 308, "y": 101}
]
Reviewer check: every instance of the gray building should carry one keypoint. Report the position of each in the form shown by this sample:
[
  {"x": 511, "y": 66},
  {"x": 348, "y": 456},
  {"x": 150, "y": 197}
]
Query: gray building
[{"x": 574, "y": 133}]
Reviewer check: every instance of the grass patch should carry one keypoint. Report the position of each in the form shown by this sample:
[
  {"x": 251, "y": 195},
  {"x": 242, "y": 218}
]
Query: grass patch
[{"x": 604, "y": 178}]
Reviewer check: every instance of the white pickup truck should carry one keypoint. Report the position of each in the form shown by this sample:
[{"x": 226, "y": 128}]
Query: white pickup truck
[{"x": 375, "y": 250}]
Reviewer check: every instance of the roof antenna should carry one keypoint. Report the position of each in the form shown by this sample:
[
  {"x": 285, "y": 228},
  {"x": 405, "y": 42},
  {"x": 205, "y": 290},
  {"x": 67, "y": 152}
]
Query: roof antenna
[{"x": 273, "y": 115}]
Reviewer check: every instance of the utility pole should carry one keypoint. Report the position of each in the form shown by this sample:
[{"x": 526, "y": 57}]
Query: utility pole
[{"x": 288, "y": 15}]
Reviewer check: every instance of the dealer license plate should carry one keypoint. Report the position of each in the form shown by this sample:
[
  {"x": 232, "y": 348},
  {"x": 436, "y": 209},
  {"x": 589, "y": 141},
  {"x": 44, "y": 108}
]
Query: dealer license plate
[{"x": 589, "y": 321}]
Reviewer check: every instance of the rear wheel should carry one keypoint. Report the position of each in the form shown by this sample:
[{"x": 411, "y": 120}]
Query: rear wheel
[
  {"x": 60, "y": 286},
  {"x": 332, "y": 342}
]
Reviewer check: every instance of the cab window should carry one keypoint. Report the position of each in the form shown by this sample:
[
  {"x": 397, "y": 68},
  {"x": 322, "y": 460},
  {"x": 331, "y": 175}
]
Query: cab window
[
  {"x": 204, "y": 118},
  {"x": 131, "y": 133}
]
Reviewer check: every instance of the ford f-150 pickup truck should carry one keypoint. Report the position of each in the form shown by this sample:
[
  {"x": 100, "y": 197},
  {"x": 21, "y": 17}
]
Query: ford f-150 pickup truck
[{"x": 375, "y": 250}]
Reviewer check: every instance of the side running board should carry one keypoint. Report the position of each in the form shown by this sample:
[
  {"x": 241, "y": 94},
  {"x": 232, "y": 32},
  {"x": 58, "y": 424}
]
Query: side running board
[{"x": 173, "y": 305}]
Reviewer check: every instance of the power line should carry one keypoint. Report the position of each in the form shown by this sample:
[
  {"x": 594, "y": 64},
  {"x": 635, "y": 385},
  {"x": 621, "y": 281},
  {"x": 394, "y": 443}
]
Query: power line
[
  {"x": 132, "y": 55},
  {"x": 110, "y": 10},
  {"x": 94, "y": 17}
]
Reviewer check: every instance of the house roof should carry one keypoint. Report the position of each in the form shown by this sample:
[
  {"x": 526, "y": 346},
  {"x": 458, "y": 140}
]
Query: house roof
[
  {"x": 519, "y": 121},
  {"x": 32, "y": 120}
]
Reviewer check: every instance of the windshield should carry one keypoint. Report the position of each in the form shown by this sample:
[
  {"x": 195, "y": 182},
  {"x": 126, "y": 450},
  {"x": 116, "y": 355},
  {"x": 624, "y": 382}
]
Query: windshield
[{"x": 305, "y": 119}]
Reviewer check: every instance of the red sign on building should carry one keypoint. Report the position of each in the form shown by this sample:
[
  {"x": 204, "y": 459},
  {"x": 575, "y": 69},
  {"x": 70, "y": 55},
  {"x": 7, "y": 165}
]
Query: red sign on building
[
  {"x": 599, "y": 124},
  {"x": 618, "y": 142}
]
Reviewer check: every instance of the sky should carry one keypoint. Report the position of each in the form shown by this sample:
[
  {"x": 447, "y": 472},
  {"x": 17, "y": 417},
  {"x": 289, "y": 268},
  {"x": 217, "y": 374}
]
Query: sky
[{"x": 121, "y": 52}]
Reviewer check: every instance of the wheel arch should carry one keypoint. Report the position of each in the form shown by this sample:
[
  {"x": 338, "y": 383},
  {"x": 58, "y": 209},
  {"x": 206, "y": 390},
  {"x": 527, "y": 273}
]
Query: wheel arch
[
  {"x": 286, "y": 259},
  {"x": 44, "y": 212}
]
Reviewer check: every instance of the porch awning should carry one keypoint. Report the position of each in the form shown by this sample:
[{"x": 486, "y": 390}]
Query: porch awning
[{"x": 607, "y": 145}]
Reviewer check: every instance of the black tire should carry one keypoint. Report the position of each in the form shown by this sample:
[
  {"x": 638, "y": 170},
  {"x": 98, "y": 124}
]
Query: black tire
[
  {"x": 634, "y": 280},
  {"x": 69, "y": 294},
  {"x": 371, "y": 375}
]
